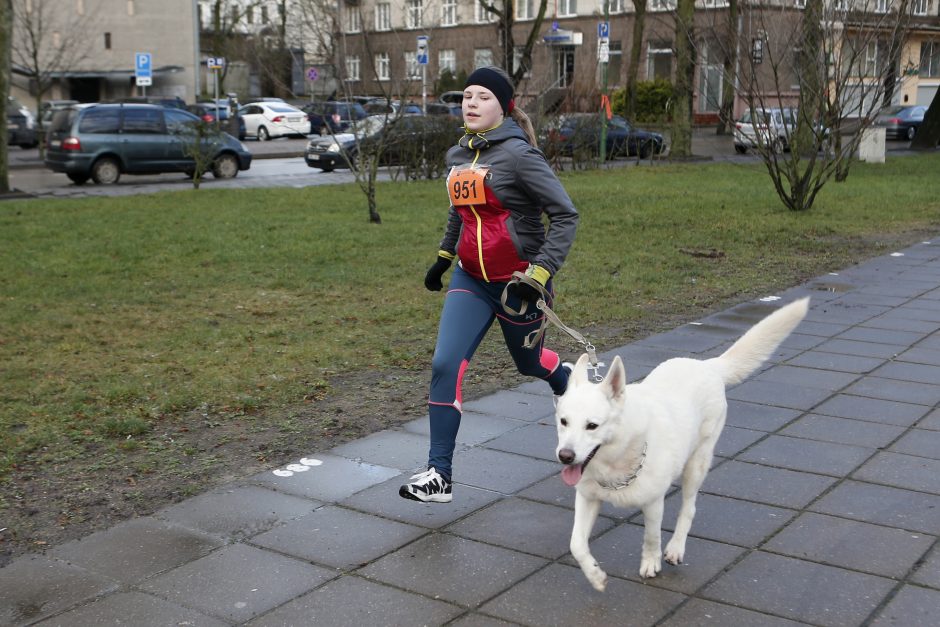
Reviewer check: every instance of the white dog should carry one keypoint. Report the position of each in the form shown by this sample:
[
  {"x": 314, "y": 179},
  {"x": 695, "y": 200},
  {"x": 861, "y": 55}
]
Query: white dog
[{"x": 626, "y": 444}]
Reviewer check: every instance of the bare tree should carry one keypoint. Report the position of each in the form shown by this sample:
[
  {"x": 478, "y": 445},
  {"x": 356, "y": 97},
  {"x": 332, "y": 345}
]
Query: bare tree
[
  {"x": 729, "y": 67},
  {"x": 505, "y": 12},
  {"x": 228, "y": 31},
  {"x": 6, "y": 32},
  {"x": 48, "y": 41},
  {"x": 813, "y": 81},
  {"x": 684, "y": 84},
  {"x": 636, "y": 51}
]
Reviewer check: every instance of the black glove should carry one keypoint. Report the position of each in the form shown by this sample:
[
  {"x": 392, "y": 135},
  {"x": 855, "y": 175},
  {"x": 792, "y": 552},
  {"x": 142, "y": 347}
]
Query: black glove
[
  {"x": 432, "y": 280},
  {"x": 528, "y": 293}
]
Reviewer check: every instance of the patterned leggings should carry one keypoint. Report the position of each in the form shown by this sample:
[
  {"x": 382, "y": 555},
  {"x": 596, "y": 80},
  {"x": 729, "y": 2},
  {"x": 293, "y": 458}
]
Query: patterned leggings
[{"x": 470, "y": 307}]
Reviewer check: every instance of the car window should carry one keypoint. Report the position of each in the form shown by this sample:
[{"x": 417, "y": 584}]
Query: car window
[
  {"x": 101, "y": 121},
  {"x": 62, "y": 120},
  {"x": 282, "y": 108},
  {"x": 178, "y": 120},
  {"x": 143, "y": 121}
]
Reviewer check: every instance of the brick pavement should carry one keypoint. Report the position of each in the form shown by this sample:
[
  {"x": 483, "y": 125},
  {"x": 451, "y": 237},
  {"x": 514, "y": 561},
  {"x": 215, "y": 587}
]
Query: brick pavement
[{"x": 822, "y": 508}]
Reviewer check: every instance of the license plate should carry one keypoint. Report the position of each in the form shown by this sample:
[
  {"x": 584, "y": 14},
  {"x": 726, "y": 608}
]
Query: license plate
[
  {"x": 11, "y": 126},
  {"x": 295, "y": 119},
  {"x": 55, "y": 143},
  {"x": 313, "y": 157}
]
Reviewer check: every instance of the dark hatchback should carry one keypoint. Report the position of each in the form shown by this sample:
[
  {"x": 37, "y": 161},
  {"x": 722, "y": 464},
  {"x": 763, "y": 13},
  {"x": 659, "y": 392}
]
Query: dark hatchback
[
  {"x": 333, "y": 116},
  {"x": 104, "y": 141},
  {"x": 579, "y": 134},
  {"x": 209, "y": 113},
  {"x": 901, "y": 122},
  {"x": 403, "y": 140}
]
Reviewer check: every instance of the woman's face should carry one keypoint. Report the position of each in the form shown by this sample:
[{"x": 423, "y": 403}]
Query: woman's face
[{"x": 481, "y": 109}]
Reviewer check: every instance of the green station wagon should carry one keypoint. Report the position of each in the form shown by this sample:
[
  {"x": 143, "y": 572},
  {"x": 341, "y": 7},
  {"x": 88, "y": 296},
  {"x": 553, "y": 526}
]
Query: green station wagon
[{"x": 103, "y": 141}]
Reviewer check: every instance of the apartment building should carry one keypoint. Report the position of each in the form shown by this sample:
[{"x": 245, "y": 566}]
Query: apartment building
[
  {"x": 87, "y": 48},
  {"x": 377, "y": 44}
]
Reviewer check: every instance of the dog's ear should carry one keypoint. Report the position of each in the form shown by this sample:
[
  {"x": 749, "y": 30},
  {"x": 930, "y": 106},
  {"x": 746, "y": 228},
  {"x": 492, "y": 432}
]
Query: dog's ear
[
  {"x": 579, "y": 374},
  {"x": 615, "y": 383}
]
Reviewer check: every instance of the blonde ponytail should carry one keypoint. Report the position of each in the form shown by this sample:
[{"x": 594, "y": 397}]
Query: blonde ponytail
[{"x": 520, "y": 118}]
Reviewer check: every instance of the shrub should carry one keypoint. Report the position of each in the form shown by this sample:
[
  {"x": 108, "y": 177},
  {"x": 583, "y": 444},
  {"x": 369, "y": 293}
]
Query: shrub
[{"x": 653, "y": 101}]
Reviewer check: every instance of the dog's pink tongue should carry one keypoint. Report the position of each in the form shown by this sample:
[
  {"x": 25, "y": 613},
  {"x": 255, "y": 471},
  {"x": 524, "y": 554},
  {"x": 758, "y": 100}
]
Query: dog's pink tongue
[{"x": 571, "y": 474}]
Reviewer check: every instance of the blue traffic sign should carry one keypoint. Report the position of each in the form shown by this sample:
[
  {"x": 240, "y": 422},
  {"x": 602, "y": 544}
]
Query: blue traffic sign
[
  {"x": 603, "y": 30},
  {"x": 143, "y": 64},
  {"x": 421, "y": 56}
]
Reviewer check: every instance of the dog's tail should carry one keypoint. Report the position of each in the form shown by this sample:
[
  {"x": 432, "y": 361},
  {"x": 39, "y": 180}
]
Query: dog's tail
[{"x": 758, "y": 344}]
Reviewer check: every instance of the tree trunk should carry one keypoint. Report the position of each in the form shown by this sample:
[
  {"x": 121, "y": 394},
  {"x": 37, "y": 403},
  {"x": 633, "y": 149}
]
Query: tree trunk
[
  {"x": 685, "y": 68},
  {"x": 636, "y": 51},
  {"x": 726, "y": 112},
  {"x": 928, "y": 135},
  {"x": 6, "y": 46},
  {"x": 812, "y": 68}
]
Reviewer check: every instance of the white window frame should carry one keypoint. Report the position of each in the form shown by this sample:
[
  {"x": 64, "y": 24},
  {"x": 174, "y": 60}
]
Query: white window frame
[
  {"x": 524, "y": 9},
  {"x": 449, "y": 15},
  {"x": 414, "y": 13},
  {"x": 567, "y": 8},
  {"x": 933, "y": 65},
  {"x": 447, "y": 60},
  {"x": 383, "y": 67},
  {"x": 412, "y": 69},
  {"x": 840, "y": 5},
  {"x": 615, "y": 6},
  {"x": 482, "y": 57},
  {"x": 720, "y": 4},
  {"x": 651, "y": 52},
  {"x": 799, "y": 4},
  {"x": 481, "y": 15},
  {"x": 920, "y": 7},
  {"x": 352, "y": 21},
  {"x": 656, "y": 6},
  {"x": 353, "y": 68},
  {"x": 882, "y": 6},
  {"x": 383, "y": 16}
]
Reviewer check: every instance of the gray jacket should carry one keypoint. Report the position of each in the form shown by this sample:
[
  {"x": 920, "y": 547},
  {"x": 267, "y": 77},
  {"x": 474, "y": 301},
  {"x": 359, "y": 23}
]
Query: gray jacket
[{"x": 507, "y": 233}]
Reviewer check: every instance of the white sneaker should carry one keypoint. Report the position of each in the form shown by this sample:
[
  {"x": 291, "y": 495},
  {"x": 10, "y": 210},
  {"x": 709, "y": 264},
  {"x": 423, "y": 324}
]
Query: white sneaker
[{"x": 428, "y": 487}]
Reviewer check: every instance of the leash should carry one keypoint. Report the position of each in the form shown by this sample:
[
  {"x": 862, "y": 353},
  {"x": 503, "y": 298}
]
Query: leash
[{"x": 533, "y": 338}]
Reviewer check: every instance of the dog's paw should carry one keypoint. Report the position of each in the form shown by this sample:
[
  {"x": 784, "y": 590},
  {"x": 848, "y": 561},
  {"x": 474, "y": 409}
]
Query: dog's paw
[
  {"x": 597, "y": 578},
  {"x": 649, "y": 566},
  {"x": 674, "y": 553}
]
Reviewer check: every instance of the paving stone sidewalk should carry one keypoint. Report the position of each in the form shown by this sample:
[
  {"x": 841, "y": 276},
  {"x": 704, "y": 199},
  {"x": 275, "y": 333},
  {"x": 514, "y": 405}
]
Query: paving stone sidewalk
[{"x": 822, "y": 507}]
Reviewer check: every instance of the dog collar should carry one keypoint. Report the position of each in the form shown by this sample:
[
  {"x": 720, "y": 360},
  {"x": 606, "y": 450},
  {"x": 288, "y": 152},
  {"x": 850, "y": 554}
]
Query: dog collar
[{"x": 629, "y": 479}]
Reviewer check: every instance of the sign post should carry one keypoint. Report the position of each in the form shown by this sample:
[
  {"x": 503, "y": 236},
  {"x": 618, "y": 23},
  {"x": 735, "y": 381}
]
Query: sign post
[
  {"x": 422, "y": 57},
  {"x": 216, "y": 64},
  {"x": 143, "y": 70},
  {"x": 603, "y": 57}
]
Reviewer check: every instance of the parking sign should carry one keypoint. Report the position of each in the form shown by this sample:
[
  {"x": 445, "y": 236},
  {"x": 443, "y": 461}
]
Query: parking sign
[{"x": 143, "y": 69}]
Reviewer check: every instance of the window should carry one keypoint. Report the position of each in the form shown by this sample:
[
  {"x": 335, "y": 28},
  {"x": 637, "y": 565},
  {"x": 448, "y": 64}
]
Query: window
[
  {"x": 353, "y": 20},
  {"x": 449, "y": 13},
  {"x": 881, "y": 6},
  {"x": 177, "y": 121},
  {"x": 613, "y": 6},
  {"x": 383, "y": 70},
  {"x": 130, "y": 7},
  {"x": 482, "y": 57},
  {"x": 662, "y": 5},
  {"x": 264, "y": 14},
  {"x": 447, "y": 60},
  {"x": 107, "y": 41},
  {"x": 615, "y": 62},
  {"x": 713, "y": 4},
  {"x": 101, "y": 121},
  {"x": 659, "y": 60},
  {"x": 567, "y": 8},
  {"x": 143, "y": 121},
  {"x": 481, "y": 15},
  {"x": 383, "y": 16},
  {"x": 524, "y": 10},
  {"x": 250, "y": 14},
  {"x": 414, "y": 13},
  {"x": 930, "y": 59},
  {"x": 841, "y": 5},
  {"x": 352, "y": 68},
  {"x": 799, "y": 4},
  {"x": 919, "y": 7},
  {"x": 412, "y": 68},
  {"x": 80, "y": 7}
]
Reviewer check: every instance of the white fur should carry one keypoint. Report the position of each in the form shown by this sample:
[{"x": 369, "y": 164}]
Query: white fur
[{"x": 678, "y": 411}]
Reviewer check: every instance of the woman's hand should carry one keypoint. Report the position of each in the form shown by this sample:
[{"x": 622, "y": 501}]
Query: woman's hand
[{"x": 432, "y": 280}]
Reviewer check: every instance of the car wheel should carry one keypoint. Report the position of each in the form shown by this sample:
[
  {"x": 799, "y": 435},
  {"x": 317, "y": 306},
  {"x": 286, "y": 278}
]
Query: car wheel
[
  {"x": 911, "y": 132},
  {"x": 738, "y": 148},
  {"x": 326, "y": 168},
  {"x": 646, "y": 149},
  {"x": 225, "y": 167},
  {"x": 106, "y": 171},
  {"x": 263, "y": 134},
  {"x": 78, "y": 179}
]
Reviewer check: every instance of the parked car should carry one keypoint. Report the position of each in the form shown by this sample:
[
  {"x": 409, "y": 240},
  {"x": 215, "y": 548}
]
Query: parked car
[
  {"x": 265, "y": 120},
  {"x": 174, "y": 102},
  {"x": 333, "y": 116},
  {"x": 580, "y": 133},
  {"x": 21, "y": 125},
  {"x": 48, "y": 108},
  {"x": 772, "y": 128},
  {"x": 392, "y": 107},
  {"x": 901, "y": 122},
  {"x": 104, "y": 141},
  {"x": 451, "y": 97},
  {"x": 208, "y": 112},
  {"x": 401, "y": 140},
  {"x": 441, "y": 108}
]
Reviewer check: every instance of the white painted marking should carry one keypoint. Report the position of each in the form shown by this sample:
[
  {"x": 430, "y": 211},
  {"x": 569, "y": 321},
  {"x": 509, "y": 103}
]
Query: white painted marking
[
  {"x": 298, "y": 467},
  {"x": 283, "y": 473},
  {"x": 769, "y": 299},
  {"x": 309, "y": 461},
  {"x": 897, "y": 254}
]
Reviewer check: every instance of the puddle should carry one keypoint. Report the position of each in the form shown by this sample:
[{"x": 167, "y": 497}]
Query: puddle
[{"x": 831, "y": 286}]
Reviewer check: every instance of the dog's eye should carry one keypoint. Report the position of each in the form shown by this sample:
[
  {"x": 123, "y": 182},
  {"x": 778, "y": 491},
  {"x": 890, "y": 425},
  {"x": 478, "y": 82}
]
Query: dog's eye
[
  {"x": 591, "y": 426},
  {"x": 564, "y": 423}
]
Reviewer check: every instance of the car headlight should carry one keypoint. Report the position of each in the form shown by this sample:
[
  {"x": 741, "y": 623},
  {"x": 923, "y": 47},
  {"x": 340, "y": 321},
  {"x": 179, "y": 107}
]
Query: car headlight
[{"x": 334, "y": 147}]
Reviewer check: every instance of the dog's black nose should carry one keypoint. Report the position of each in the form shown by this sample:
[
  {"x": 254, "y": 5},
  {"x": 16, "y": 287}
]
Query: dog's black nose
[{"x": 566, "y": 456}]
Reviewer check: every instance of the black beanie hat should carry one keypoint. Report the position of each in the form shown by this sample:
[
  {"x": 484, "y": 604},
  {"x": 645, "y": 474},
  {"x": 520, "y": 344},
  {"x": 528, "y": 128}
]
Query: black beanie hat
[{"x": 497, "y": 81}]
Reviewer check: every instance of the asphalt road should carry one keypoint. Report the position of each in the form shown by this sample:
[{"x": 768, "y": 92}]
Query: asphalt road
[{"x": 277, "y": 163}]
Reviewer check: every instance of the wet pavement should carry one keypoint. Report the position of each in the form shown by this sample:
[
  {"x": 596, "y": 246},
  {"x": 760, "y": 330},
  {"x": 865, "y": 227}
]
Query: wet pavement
[{"x": 822, "y": 506}]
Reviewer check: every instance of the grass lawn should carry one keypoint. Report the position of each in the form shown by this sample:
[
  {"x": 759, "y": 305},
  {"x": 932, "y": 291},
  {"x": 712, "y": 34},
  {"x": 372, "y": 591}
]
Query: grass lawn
[{"x": 127, "y": 322}]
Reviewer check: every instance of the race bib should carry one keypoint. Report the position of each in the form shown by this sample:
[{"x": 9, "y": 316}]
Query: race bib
[{"x": 465, "y": 184}]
